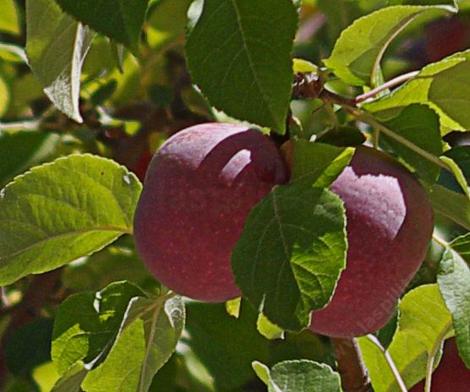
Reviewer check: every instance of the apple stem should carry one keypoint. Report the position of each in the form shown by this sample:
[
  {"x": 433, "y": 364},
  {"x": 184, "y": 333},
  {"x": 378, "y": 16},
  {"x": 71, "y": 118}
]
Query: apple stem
[
  {"x": 432, "y": 357},
  {"x": 390, "y": 362},
  {"x": 429, "y": 369},
  {"x": 443, "y": 243},
  {"x": 354, "y": 377},
  {"x": 387, "y": 85}
]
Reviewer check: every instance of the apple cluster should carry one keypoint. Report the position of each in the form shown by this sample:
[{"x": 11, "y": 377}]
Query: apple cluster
[{"x": 204, "y": 181}]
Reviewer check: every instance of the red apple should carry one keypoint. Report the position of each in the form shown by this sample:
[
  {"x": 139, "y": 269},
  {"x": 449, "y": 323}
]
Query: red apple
[
  {"x": 198, "y": 190},
  {"x": 389, "y": 226},
  {"x": 445, "y": 37}
]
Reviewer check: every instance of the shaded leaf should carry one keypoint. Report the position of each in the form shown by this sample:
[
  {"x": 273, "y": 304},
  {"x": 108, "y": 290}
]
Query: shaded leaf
[
  {"x": 461, "y": 156},
  {"x": 340, "y": 14},
  {"x": 120, "y": 20},
  {"x": 452, "y": 205},
  {"x": 224, "y": 345},
  {"x": 318, "y": 163},
  {"x": 344, "y": 136},
  {"x": 291, "y": 252},
  {"x": 419, "y": 125},
  {"x": 458, "y": 175},
  {"x": 458, "y": 158},
  {"x": 114, "y": 263},
  {"x": 167, "y": 22},
  {"x": 20, "y": 359},
  {"x": 22, "y": 150}
]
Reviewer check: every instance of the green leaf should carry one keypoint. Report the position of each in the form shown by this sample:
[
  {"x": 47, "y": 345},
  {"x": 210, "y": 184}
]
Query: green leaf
[
  {"x": 120, "y": 371},
  {"x": 163, "y": 326},
  {"x": 120, "y": 20},
  {"x": 423, "y": 325},
  {"x": 291, "y": 252},
  {"x": 224, "y": 345},
  {"x": 268, "y": 329},
  {"x": 239, "y": 54},
  {"x": 71, "y": 379},
  {"x": 359, "y": 50},
  {"x": 23, "y": 149},
  {"x": 317, "y": 163},
  {"x": 86, "y": 323},
  {"x": 303, "y": 66},
  {"x": 232, "y": 307},
  {"x": 454, "y": 283},
  {"x": 5, "y": 96},
  {"x": 56, "y": 46},
  {"x": 12, "y": 53},
  {"x": 167, "y": 22},
  {"x": 96, "y": 329},
  {"x": 419, "y": 125},
  {"x": 442, "y": 86},
  {"x": 152, "y": 328},
  {"x": 45, "y": 376},
  {"x": 262, "y": 371},
  {"x": 63, "y": 210},
  {"x": 452, "y": 205},
  {"x": 299, "y": 376},
  {"x": 9, "y": 20}
]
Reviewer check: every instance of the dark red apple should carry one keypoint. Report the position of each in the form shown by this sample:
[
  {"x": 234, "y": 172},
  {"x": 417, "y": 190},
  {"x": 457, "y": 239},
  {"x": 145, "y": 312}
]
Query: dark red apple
[
  {"x": 451, "y": 375},
  {"x": 389, "y": 226},
  {"x": 198, "y": 190},
  {"x": 445, "y": 37}
]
